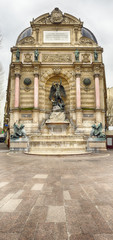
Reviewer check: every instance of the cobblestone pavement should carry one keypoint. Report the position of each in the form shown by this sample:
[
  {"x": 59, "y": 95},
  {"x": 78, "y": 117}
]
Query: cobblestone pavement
[{"x": 56, "y": 198}]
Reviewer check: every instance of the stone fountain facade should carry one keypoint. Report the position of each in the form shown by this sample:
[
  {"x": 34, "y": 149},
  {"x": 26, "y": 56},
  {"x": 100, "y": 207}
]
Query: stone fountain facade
[{"x": 56, "y": 46}]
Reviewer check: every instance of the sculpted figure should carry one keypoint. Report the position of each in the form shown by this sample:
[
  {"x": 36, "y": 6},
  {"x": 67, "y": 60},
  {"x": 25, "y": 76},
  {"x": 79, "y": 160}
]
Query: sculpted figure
[
  {"x": 36, "y": 55},
  {"x": 57, "y": 91},
  {"x": 95, "y": 55},
  {"x": 77, "y": 55},
  {"x": 97, "y": 131},
  {"x": 18, "y": 131},
  {"x": 17, "y": 55}
]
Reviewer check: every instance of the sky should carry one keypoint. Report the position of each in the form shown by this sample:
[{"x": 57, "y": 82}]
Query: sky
[{"x": 97, "y": 16}]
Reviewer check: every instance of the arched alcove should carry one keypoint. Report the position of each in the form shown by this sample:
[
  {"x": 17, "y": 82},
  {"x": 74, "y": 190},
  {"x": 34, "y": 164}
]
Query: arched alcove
[{"x": 48, "y": 103}]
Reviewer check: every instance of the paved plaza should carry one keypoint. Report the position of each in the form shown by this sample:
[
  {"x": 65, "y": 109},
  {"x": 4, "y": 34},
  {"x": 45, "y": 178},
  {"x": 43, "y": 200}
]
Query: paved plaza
[{"x": 56, "y": 198}]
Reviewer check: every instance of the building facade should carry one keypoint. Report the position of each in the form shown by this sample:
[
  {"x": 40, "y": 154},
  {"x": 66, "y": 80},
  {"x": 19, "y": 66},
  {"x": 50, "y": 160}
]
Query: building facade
[{"x": 56, "y": 47}]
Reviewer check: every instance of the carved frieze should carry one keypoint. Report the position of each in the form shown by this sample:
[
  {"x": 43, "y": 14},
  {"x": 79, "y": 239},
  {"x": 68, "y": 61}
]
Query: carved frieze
[
  {"x": 27, "y": 41},
  {"x": 27, "y": 69},
  {"x": 27, "y": 58},
  {"x": 57, "y": 58}
]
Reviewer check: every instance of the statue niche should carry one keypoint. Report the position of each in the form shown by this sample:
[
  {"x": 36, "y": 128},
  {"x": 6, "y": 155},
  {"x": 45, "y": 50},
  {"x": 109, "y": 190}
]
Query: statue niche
[
  {"x": 57, "y": 92},
  {"x": 57, "y": 122}
]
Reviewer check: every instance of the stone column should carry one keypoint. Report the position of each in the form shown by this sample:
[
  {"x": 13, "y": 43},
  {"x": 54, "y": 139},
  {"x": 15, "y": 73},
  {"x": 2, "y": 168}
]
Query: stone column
[
  {"x": 36, "y": 100},
  {"x": 17, "y": 89},
  {"x": 97, "y": 91},
  {"x": 97, "y": 99},
  {"x": 78, "y": 95},
  {"x": 78, "y": 102}
]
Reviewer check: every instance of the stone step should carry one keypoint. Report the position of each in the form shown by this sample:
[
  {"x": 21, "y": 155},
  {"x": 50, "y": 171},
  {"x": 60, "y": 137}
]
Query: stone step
[
  {"x": 55, "y": 145},
  {"x": 61, "y": 151},
  {"x": 57, "y": 138},
  {"x": 79, "y": 141}
]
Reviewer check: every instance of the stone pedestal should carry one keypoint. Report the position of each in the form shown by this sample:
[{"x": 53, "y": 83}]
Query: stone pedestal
[
  {"x": 57, "y": 122},
  {"x": 96, "y": 145},
  {"x": 19, "y": 145}
]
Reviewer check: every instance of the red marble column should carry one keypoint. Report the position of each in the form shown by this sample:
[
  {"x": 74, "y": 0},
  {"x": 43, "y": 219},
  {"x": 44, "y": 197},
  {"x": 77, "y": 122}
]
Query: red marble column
[
  {"x": 36, "y": 79},
  {"x": 97, "y": 91},
  {"x": 78, "y": 95},
  {"x": 17, "y": 90}
]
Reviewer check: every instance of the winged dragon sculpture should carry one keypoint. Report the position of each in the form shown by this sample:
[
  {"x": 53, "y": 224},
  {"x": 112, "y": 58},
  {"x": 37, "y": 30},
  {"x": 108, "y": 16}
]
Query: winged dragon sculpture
[
  {"x": 18, "y": 131},
  {"x": 97, "y": 131}
]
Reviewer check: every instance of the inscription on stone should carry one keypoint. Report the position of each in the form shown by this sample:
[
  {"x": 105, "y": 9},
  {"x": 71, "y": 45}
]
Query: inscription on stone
[
  {"x": 88, "y": 115},
  {"x": 56, "y": 36},
  {"x": 26, "y": 115}
]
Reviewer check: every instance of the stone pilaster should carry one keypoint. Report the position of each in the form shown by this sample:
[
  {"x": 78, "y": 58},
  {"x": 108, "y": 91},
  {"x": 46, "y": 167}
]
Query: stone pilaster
[{"x": 78, "y": 101}]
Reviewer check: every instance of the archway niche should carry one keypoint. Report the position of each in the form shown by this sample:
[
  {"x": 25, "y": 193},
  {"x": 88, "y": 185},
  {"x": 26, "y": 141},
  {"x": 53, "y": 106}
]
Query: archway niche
[{"x": 48, "y": 103}]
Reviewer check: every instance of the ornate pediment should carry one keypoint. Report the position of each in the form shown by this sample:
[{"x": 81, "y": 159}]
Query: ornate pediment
[
  {"x": 56, "y": 17},
  {"x": 27, "y": 41},
  {"x": 86, "y": 41}
]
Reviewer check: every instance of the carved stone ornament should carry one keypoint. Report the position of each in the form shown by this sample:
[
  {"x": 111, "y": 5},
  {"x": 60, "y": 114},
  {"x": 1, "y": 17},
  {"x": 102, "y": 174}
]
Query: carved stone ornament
[
  {"x": 87, "y": 81},
  {"x": 85, "y": 41},
  {"x": 27, "y": 57},
  {"x": 27, "y": 69},
  {"x": 56, "y": 70},
  {"x": 27, "y": 41},
  {"x": 27, "y": 81},
  {"x": 86, "y": 58},
  {"x": 67, "y": 20},
  {"x": 56, "y": 16},
  {"x": 57, "y": 58}
]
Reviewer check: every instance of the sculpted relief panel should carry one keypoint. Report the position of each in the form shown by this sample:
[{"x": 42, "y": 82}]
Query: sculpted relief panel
[
  {"x": 57, "y": 58},
  {"x": 86, "y": 58},
  {"x": 57, "y": 17},
  {"x": 28, "y": 58},
  {"x": 86, "y": 41},
  {"x": 27, "y": 41}
]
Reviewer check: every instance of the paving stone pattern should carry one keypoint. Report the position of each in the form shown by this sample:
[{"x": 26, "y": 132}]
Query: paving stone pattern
[{"x": 56, "y": 198}]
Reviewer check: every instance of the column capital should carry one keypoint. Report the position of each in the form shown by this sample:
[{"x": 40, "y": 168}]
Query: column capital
[
  {"x": 75, "y": 28},
  {"x": 37, "y": 28},
  {"x": 36, "y": 74},
  {"x": 96, "y": 75},
  {"x": 17, "y": 75},
  {"x": 77, "y": 74}
]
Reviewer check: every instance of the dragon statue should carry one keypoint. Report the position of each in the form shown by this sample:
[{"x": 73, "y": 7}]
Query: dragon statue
[
  {"x": 97, "y": 131},
  {"x": 18, "y": 131}
]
